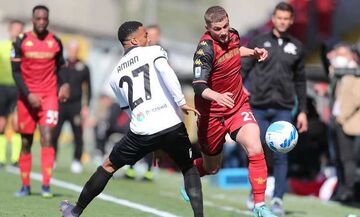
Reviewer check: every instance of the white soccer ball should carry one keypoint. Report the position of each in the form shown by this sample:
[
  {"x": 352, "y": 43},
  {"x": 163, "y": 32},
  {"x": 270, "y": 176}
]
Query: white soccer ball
[{"x": 281, "y": 136}]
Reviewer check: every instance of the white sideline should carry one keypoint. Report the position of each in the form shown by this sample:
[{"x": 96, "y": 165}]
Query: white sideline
[{"x": 77, "y": 188}]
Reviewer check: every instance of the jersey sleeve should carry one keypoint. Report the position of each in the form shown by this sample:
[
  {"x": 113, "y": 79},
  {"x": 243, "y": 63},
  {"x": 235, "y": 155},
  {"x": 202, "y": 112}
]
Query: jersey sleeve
[
  {"x": 159, "y": 52},
  {"x": 60, "y": 61},
  {"x": 203, "y": 61},
  {"x": 15, "y": 65},
  {"x": 171, "y": 81}
]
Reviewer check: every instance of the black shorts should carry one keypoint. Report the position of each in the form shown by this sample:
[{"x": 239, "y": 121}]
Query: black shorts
[
  {"x": 174, "y": 141},
  {"x": 8, "y": 99}
]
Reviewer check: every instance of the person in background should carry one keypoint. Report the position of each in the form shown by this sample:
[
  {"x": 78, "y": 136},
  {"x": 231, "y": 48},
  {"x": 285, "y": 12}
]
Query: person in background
[
  {"x": 347, "y": 117},
  {"x": 36, "y": 59},
  {"x": 8, "y": 95},
  {"x": 76, "y": 108},
  {"x": 275, "y": 85}
]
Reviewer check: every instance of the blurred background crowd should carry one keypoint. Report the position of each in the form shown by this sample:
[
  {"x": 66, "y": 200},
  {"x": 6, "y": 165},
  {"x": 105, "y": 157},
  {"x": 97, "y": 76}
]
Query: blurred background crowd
[{"x": 330, "y": 30}]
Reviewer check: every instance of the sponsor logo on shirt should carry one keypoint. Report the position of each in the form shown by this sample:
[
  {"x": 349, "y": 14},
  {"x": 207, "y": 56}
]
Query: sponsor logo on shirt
[
  {"x": 290, "y": 48},
  {"x": 39, "y": 55},
  {"x": 229, "y": 54}
]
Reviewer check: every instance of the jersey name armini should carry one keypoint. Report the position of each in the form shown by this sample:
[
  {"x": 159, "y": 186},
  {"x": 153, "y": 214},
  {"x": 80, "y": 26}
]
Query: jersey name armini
[
  {"x": 229, "y": 54},
  {"x": 128, "y": 63},
  {"x": 39, "y": 55}
]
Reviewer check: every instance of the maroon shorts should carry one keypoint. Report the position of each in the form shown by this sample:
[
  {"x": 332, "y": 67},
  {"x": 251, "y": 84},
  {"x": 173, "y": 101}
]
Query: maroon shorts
[
  {"x": 46, "y": 115},
  {"x": 212, "y": 130}
]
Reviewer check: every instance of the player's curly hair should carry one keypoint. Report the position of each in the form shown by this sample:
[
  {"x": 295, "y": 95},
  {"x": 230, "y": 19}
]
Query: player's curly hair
[
  {"x": 127, "y": 29},
  {"x": 40, "y": 7},
  {"x": 215, "y": 14}
]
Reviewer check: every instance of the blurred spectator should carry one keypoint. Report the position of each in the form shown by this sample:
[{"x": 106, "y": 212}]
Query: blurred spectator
[
  {"x": 276, "y": 85},
  {"x": 347, "y": 118},
  {"x": 76, "y": 108},
  {"x": 8, "y": 95}
]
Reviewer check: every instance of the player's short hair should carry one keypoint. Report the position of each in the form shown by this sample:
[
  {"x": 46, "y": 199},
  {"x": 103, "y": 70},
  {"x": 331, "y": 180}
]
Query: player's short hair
[
  {"x": 40, "y": 7},
  {"x": 16, "y": 21},
  {"x": 283, "y": 6},
  {"x": 215, "y": 14},
  {"x": 127, "y": 29}
]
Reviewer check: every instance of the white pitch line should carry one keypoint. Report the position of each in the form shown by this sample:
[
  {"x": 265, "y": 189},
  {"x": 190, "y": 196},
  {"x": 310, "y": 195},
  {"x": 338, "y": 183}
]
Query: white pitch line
[{"x": 77, "y": 188}]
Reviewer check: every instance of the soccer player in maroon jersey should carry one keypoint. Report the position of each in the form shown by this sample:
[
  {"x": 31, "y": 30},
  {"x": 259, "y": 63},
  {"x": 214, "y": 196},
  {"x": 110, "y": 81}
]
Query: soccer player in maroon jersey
[
  {"x": 36, "y": 57},
  {"x": 223, "y": 105}
]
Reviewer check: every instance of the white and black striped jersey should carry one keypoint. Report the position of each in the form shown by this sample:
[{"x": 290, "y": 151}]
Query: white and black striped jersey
[{"x": 144, "y": 83}]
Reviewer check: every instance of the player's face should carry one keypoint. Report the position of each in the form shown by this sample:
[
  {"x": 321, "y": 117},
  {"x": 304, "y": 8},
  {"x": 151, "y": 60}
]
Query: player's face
[
  {"x": 154, "y": 36},
  {"x": 141, "y": 37},
  {"x": 220, "y": 30},
  {"x": 40, "y": 20},
  {"x": 15, "y": 29},
  {"x": 282, "y": 20}
]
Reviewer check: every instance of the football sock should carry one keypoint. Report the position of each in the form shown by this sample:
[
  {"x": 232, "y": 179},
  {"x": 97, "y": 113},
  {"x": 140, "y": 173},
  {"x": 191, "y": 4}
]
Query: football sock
[
  {"x": 16, "y": 147},
  {"x": 199, "y": 164},
  {"x": 193, "y": 190},
  {"x": 93, "y": 187},
  {"x": 258, "y": 176},
  {"x": 2, "y": 149},
  {"x": 25, "y": 168},
  {"x": 47, "y": 163}
]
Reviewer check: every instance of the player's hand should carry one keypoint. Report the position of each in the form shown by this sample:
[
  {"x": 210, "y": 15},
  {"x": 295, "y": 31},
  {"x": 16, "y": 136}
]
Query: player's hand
[
  {"x": 64, "y": 92},
  {"x": 224, "y": 99},
  {"x": 34, "y": 100},
  {"x": 302, "y": 123},
  {"x": 260, "y": 54},
  {"x": 186, "y": 108}
]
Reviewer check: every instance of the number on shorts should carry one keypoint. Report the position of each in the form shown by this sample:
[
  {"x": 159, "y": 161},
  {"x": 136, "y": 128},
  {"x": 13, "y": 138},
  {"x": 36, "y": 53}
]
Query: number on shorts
[
  {"x": 248, "y": 116},
  {"x": 52, "y": 117}
]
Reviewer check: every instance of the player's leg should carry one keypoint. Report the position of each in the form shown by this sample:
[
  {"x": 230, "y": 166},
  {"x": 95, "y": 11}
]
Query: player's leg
[
  {"x": 75, "y": 121},
  {"x": 47, "y": 158},
  {"x": 15, "y": 140},
  {"x": 127, "y": 151},
  {"x": 248, "y": 135},
  {"x": 211, "y": 134},
  {"x": 180, "y": 151},
  {"x": 27, "y": 124},
  {"x": 2, "y": 140},
  {"x": 25, "y": 161},
  {"x": 280, "y": 167},
  {"x": 3, "y": 120},
  {"x": 57, "y": 130}
]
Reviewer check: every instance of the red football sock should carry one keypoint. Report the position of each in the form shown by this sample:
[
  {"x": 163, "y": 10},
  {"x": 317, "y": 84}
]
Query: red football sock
[
  {"x": 47, "y": 163},
  {"x": 199, "y": 164},
  {"x": 25, "y": 168},
  {"x": 257, "y": 176}
]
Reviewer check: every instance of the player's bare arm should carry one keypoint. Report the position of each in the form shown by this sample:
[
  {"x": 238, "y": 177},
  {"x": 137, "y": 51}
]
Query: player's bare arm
[
  {"x": 186, "y": 109},
  {"x": 259, "y": 53},
  {"x": 223, "y": 99}
]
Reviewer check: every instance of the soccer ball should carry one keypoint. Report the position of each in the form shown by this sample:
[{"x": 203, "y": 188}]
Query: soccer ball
[{"x": 281, "y": 136}]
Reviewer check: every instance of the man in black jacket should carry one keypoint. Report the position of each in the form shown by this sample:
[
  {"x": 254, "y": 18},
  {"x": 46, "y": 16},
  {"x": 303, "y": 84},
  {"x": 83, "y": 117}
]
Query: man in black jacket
[
  {"x": 76, "y": 108},
  {"x": 275, "y": 85}
]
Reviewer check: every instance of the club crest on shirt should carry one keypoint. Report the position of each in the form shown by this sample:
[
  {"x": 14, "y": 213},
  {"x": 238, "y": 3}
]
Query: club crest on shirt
[
  {"x": 29, "y": 44},
  {"x": 267, "y": 44},
  {"x": 50, "y": 43},
  {"x": 290, "y": 48}
]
